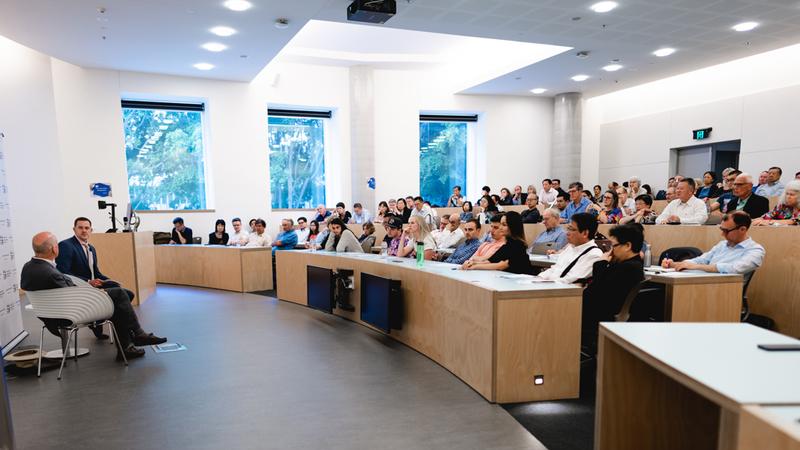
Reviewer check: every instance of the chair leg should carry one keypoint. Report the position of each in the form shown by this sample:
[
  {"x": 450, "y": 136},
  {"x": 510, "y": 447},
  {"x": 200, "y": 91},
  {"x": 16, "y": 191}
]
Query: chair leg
[
  {"x": 110, "y": 333},
  {"x": 76, "y": 345},
  {"x": 66, "y": 349},
  {"x": 119, "y": 344},
  {"x": 41, "y": 343}
]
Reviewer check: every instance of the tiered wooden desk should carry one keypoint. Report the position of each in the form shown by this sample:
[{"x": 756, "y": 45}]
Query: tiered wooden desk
[
  {"x": 128, "y": 258},
  {"x": 240, "y": 269},
  {"x": 491, "y": 331},
  {"x": 698, "y": 386}
]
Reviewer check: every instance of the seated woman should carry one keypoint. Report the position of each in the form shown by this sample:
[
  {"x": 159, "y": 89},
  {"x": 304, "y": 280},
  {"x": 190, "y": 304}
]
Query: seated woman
[
  {"x": 505, "y": 197},
  {"x": 709, "y": 189},
  {"x": 403, "y": 211},
  {"x": 466, "y": 212},
  {"x": 488, "y": 210},
  {"x": 383, "y": 210},
  {"x": 418, "y": 231},
  {"x": 498, "y": 202},
  {"x": 609, "y": 211},
  {"x": 341, "y": 239},
  {"x": 512, "y": 256},
  {"x": 367, "y": 239},
  {"x": 313, "y": 231},
  {"x": 219, "y": 236},
  {"x": 787, "y": 211}
]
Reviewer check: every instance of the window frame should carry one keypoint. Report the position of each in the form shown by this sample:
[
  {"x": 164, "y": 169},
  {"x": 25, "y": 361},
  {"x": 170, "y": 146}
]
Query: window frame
[{"x": 472, "y": 121}]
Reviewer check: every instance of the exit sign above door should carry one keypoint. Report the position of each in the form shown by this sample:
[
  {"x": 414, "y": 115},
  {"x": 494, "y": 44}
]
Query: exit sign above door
[{"x": 701, "y": 134}]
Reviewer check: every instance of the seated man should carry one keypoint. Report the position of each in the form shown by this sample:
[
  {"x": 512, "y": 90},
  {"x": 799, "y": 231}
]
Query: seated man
[
  {"x": 532, "y": 214},
  {"x": 452, "y": 235},
  {"x": 422, "y": 210},
  {"x": 302, "y": 230},
  {"x": 322, "y": 214},
  {"x": 737, "y": 253},
  {"x": 259, "y": 238},
  {"x": 360, "y": 215},
  {"x": 743, "y": 198},
  {"x": 287, "y": 238},
  {"x": 553, "y": 231},
  {"x": 489, "y": 247},
  {"x": 40, "y": 273},
  {"x": 456, "y": 200},
  {"x": 343, "y": 213},
  {"x": 239, "y": 236},
  {"x": 686, "y": 209},
  {"x": 578, "y": 203},
  {"x": 773, "y": 187},
  {"x": 644, "y": 212},
  {"x": 181, "y": 234},
  {"x": 575, "y": 262},
  {"x": 394, "y": 230},
  {"x": 470, "y": 245},
  {"x": 561, "y": 202}
]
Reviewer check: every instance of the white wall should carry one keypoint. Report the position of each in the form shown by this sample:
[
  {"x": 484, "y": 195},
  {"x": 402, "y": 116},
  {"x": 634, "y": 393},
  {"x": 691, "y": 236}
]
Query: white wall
[{"x": 755, "y": 99}]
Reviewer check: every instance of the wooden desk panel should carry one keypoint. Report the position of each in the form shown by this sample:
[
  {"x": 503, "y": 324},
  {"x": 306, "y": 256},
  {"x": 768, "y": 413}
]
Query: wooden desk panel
[
  {"x": 240, "y": 269},
  {"x": 760, "y": 427},
  {"x": 129, "y": 259}
]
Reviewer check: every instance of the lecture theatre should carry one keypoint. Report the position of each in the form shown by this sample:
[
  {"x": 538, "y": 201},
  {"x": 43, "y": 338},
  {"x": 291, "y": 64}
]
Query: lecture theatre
[{"x": 402, "y": 224}]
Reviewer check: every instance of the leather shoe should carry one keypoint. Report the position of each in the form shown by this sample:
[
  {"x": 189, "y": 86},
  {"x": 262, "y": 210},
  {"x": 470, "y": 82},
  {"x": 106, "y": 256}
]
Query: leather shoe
[
  {"x": 98, "y": 333},
  {"x": 148, "y": 339},
  {"x": 131, "y": 352}
]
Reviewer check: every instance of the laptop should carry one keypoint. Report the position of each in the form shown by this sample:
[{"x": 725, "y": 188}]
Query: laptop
[{"x": 541, "y": 248}]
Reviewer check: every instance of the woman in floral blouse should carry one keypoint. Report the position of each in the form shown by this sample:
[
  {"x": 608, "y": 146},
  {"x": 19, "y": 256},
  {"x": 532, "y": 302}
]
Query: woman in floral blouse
[
  {"x": 787, "y": 211},
  {"x": 609, "y": 211}
]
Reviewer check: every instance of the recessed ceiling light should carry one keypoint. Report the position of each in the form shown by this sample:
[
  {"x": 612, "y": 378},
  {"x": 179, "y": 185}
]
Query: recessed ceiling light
[
  {"x": 580, "y": 77},
  {"x": 603, "y": 7},
  {"x": 214, "y": 46},
  {"x": 539, "y": 90},
  {"x": 237, "y": 5},
  {"x": 203, "y": 66},
  {"x": 612, "y": 67},
  {"x": 745, "y": 26},
  {"x": 662, "y": 52},
  {"x": 223, "y": 31}
]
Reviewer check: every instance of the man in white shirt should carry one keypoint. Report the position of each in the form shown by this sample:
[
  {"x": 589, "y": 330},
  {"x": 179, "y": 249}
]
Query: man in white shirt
[
  {"x": 360, "y": 215},
  {"x": 686, "y": 209},
  {"x": 577, "y": 259},
  {"x": 302, "y": 230},
  {"x": 547, "y": 195},
  {"x": 422, "y": 210},
  {"x": 635, "y": 188},
  {"x": 238, "y": 237},
  {"x": 259, "y": 238},
  {"x": 627, "y": 204},
  {"x": 451, "y": 236}
]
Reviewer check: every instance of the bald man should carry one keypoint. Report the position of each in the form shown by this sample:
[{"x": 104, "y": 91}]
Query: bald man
[{"x": 40, "y": 273}]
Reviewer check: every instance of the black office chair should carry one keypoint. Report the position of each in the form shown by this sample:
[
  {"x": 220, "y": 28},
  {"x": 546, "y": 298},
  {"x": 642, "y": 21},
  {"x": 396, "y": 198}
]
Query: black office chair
[
  {"x": 625, "y": 312},
  {"x": 197, "y": 240},
  {"x": 748, "y": 317},
  {"x": 679, "y": 254}
]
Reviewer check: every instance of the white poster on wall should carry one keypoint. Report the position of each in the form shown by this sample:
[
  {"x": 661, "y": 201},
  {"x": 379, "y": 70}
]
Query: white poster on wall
[{"x": 11, "y": 330}]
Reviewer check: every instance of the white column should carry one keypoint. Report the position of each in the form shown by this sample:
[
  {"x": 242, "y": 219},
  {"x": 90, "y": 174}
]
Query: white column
[
  {"x": 362, "y": 136},
  {"x": 566, "y": 157}
]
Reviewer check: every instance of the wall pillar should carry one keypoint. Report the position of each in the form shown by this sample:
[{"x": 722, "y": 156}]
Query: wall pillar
[
  {"x": 362, "y": 136},
  {"x": 566, "y": 157}
]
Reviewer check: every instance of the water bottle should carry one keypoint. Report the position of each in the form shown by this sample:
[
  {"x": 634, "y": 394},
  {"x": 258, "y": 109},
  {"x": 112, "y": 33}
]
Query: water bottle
[
  {"x": 384, "y": 249},
  {"x": 647, "y": 255},
  {"x": 313, "y": 246},
  {"x": 420, "y": 254}
]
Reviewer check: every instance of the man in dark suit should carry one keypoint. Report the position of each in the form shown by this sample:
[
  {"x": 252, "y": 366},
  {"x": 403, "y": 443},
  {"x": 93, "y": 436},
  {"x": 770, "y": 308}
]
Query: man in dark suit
[
  {"x": 181, "y": 234},
  {"x": 745, "y": 200},
  {"x": 612, "y": 279},
  {"x": 40, "y": 273}
]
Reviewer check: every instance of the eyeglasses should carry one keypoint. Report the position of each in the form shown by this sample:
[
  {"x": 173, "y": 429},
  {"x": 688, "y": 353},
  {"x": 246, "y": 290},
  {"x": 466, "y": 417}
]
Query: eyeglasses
[
  {"x": 608, "y": 197},
  {"x": 616, "y": 245},
  {"x": 727, "y": 230},
  {"x": 740, "y": 184},
  {"x": 571, "y": 228}
]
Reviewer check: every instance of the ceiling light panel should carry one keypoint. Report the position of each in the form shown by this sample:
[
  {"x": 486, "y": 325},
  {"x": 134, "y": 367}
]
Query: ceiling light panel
[
  {"x": 745, "y": 26},
  {"x": 214, "y": 46},
  {"x": 203, "y": 66},
  {"x": 603, "y": 7},
  {"x": 237, "y": 5},
  {"x": 612, "y": 67},
  {"x": 662, "y": 52},
  {"x": 223, "y": 31},
  {"x": 580, "y": 77},
  {"x": 539, "y": 90}
]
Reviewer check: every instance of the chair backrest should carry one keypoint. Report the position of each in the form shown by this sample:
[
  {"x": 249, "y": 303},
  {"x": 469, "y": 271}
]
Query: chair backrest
[
  {"x": 748, "y": 277},
  {"x": 368, "y": 243},
  {"x": 197, "y": 240},
  {"x": 78, "y": 304},
  {"x": 679, "y": 254},
  {"x": 625, "y": 312},
  {"x": 78, "y": 281}
]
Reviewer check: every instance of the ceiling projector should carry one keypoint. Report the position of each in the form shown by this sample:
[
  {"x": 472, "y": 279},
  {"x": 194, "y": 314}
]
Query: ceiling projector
[{"x": 371, "y": 11}]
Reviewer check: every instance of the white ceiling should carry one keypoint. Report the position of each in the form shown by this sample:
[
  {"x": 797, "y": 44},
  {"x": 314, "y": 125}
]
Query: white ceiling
[{"x": 164, "y": 36}]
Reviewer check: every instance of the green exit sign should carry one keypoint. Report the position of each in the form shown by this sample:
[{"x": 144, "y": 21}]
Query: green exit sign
[{"x": 704, "y": 133}]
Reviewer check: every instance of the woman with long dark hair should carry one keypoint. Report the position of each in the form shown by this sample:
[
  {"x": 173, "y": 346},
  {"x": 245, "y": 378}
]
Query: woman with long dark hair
[
  {"x": 383, "y": 210},
  {"x": 219, "y": 236},
  {"x": 466, "y": 212},
  {"x": 403, "y": 210},
  {"x": 341, "y": 239},
  {"x": 709, "y": 188},
  {"x": 512, "y": 256},
  {"x": 488, "y": 210}
]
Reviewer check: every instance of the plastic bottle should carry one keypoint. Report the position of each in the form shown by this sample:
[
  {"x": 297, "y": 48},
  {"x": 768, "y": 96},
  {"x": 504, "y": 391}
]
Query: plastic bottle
[
  {"x": 384, "y": 249},
  {"x": 420, "y": 254},
  {"x": 647, "y": 255}
]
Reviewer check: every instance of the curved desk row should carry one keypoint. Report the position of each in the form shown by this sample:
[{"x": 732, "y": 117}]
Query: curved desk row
[
  {"x": 240, "y": 269},
  {"x": 493, "y": 330}
]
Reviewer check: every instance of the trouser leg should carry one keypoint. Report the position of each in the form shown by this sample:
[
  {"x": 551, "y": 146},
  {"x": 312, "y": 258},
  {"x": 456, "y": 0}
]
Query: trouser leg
[{"x": 124, "y": 317}]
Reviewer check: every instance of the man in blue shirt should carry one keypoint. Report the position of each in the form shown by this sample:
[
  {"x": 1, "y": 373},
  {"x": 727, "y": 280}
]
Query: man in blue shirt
[
  {"x": 773, "y": 187},
  {"x": 287, "y": 238},
  {"x": 464, "y": 251},
  {"x": 553, "y": 232},
  {"x": 738, "y": 253},
  {"x": 578, "y": 203}
]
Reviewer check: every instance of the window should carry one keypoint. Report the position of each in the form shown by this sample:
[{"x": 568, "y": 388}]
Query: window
[
  {"x": 297, "y": 158},
  {"x": 442, "y": 156},
  {"x": 164, "y": 154}
]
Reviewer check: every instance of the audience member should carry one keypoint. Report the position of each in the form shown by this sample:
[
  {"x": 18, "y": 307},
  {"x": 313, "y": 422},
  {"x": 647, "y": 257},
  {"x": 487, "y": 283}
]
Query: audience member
[
  {"x": 609, "y": 211},
  {"x": 547, "y": 194},
  {"x": 341, "y": 239},
  {"x": 787, "y": 211},
  {"x": 644, "y": 211},
  {"x": 496, "y": 199},
  {"x": 686, "y": 209},
  {"x": 322, "y": 214},
  {"x": 219, "y": 236},
  {"x": 181, "y": 234},
  {"x": 456, "y": 199},
  {"x": 302, "y": 230},
  {"x": 561, "y": 202},
  {"x": 466, "y": 212},
  {"x": 587, "y": 194},
  {"x": 774, "y": 187},
  {"x": 488, "y": 210},
  {"x": 762, "y": 180},
  {"x": 322, "y": 237},
  {"x": 578, "y": 203},
  {"x": 647, "y": 189},
  {"x": 259, "y": 238},
  {"x": 422, "y": 211},
  {"x": 709, "y": 189},
  {"x": 532, "y": 191},
  {"x": 511, "y": 256},
  {"x": 744, "y": 199},
  {"x": 452, "y": 236},
  {"x": 726, "y": 194},
  {"x": 557, "y": 186},
  {"x": 597, "y": 193},
  {"x": 736, "y": 253},
  {"x": 626, "y": 203},
  {"x": 403, "y": 211},
  {"x": 342, "y": 212},
  {"x": 670, "y": 195},
  {"x": 486, "y": 190},
  {"x": 471, "y": 243},
  {"x": 392, "y": 206},
  {"x": 367, "y": 238},
  {"x": 576, "y": 260},
  {"x": 252, "y": 226},
  {"x": 394, "y": 231},
  {"x": 383, "y": 210},
  {"x": 418, "y": 231},
  {"x": 553, "y": 232},
  {"x": 532, "y": 214},
  {"x": 635, "y": 188},
  {"x": 488, "y": 246},
  {"x": 287, "y": 238},
  {"x": 519, "y": 197},
  {"x": 360, "y": 215},
  {"x": 239, "y": 236},
  {"x": 313, "y": 231}
]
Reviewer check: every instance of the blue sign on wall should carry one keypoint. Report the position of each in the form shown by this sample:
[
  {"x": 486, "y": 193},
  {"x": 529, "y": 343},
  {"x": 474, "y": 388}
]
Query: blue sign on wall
[{"x": 100, "y": 189}]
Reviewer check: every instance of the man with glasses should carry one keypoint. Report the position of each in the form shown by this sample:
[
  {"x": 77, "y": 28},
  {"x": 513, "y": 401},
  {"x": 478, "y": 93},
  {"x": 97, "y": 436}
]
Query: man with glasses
[
  {"x": 302, "y": 230},
  {"x": 578, "y": 203},
  {"x": 576, "y": 260},
  {"x": 553, "y": 232},
  {"x": 773, "y": 187},
  {"x": 686, "y": 209},
  {"x": 744, "y": 199},
  {"x": 737, "y": 253},
  {"x": 727, "y": 191}
]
